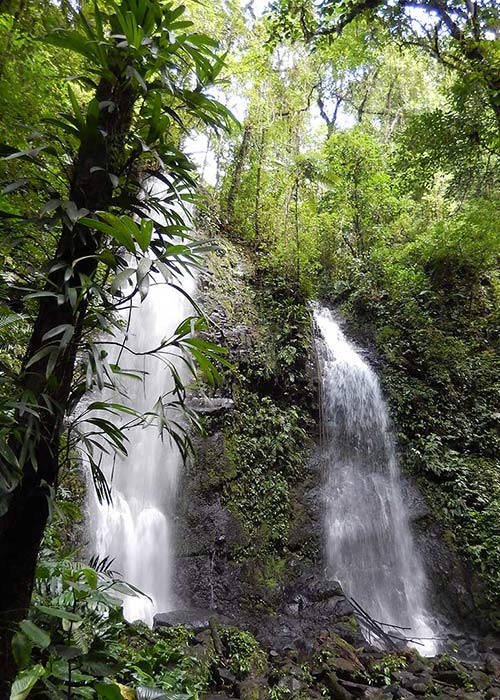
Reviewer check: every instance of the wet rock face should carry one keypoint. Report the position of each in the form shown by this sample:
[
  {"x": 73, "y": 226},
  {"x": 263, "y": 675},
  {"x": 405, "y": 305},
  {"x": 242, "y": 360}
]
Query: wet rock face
[
  {"x": 193, "y": 620},
  {"x": 450, "y": 590},
  {"x": 288, "y": 612}
]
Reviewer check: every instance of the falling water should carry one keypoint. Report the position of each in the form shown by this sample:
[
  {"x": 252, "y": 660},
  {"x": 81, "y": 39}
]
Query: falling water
[
  {"x": 369, "y": 544},
  {"x": 135, "y": 529}
]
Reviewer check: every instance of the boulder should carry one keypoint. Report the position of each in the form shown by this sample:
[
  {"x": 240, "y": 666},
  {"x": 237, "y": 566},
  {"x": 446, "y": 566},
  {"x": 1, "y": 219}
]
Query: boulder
[
  {"x": 335, "y": 689},
  {"x": 253, "y": 688},
  {"x": 480, "y": 680},
  {"x": 420, "y": 688},
  {"x": 492, "y": 665},
  {"x": 492, "y": 693},
  {"x": 403, "y": 694},
  {"x": 194, "y": 619},
  {"x": 406, "y": 679},
  {"x": 209, "y": 406},
  {"x": 344, "y": 668},
  {"x": 456, "y": 677}
]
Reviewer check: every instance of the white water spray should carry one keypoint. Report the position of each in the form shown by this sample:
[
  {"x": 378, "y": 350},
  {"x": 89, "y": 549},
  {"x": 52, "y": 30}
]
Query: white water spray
[
  {"x": 370, "y": 550},
  {"x": 136, "y": 529}
]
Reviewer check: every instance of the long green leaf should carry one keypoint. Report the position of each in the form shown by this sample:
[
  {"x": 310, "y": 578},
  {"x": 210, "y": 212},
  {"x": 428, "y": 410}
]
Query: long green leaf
[
  {"x": 25, "y": 681},
  {"x": 39, "y": 637}
]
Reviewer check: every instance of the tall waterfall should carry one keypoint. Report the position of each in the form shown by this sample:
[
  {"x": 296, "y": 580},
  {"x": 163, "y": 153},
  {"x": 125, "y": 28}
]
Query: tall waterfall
[
  {"x": 136, "y": 529},
  {"x": 370, "y": 550}
]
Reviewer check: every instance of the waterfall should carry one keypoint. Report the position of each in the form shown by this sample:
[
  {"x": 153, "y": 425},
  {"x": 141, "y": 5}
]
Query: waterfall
[
  {"x": 136, "y": 528},
  {"x": 369, "y": 546}
]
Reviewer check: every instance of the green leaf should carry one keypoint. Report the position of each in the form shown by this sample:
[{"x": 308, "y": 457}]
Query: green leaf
[
  {"x": 21, "y": 650},
  {"x": 39, "y": 637},
  {"x": 8, "y": 319},
  {"x": 67, "y": 652},
  {"x": 58, "y": 330},
  {"x": 145, "y": 693},
  {"x": 31, "y": 153},
  {"x": 120, "y": 279},
  {"x": 113, "y": 226},
  {"x": 12, "y": 186},
  {"x": 59, "y": 613},
  {"x": 25, "y": 681},
  {"x": 108, "y": 691},
  {"x": 71, "y": 40},
  {"x": 144, "y": 234},
  {"x": 7, "y": 453},
  {"x": 132, "y": 72},
  {"x": 40, "y": 354},
  {"x": 90, "y": 576}
]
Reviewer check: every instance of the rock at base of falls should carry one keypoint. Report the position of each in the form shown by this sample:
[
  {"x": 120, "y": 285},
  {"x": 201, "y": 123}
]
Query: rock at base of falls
[
  {"x": 209, "y": 405},
  {"x": 194, "y": 619}
]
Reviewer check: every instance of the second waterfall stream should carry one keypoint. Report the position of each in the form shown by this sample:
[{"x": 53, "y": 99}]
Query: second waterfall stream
[{"x": 369, "y": 545}]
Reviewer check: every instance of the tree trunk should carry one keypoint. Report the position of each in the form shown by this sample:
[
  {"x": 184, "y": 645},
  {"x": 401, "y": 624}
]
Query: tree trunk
[
  {"x": 297, "y": 229},
  {"x": 239, "y": 162},
  {"x": 258, "y": 187},
  {"x": 22, "y": 527}
]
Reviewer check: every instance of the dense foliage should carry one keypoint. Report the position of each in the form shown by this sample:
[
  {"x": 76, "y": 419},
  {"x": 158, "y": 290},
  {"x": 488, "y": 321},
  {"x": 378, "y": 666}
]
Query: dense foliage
[
  {"x": 113, "y": 154},
  {"x": 365, "y": 172},
  {"x": 262, "y": 462},
  {"x": 391, "y": 214},
  {"x": 76, "y": 643}
]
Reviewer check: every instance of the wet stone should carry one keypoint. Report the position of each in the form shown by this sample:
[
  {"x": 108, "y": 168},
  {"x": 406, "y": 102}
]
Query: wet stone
[
  {"x": 403, "y": 694},
  {"x": 293, "y": 684},
  {"x": 335, "y": 689},
  {"x": 253, "y": 689},
  {"x": 228, "y": 678},
  {"x": 418, "y": 666},
  {"x": 420, "y": 688},
  {"x": 194, "y": 619},
  {"x": 376, "y": 694},
  {"x": 406, "y": 678},
  {"x": 492, "y": 665},
  {"x": 343, "y": 667},
  {"x": 492, "y": 693},
  {"x": 468, "y": 695},
  {"x": 454, "y": 677},
  {"x": 481, "y": 680}
]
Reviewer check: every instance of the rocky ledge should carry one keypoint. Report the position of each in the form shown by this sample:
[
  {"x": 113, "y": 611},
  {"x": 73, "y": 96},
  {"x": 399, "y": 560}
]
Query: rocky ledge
[{"x": 330, "y": 667}]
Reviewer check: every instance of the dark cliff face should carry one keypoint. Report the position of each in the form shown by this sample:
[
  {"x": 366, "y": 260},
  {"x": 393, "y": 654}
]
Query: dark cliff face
[
  {"x": 250, "y": 511},
  {"x": 452, "y": 586},
  {"x": 249, "y": 523},
  {"x": 285, "y": 601}
]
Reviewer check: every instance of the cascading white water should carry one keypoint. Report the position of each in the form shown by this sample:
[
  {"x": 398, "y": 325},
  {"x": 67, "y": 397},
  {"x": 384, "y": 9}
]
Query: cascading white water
[
  {"x": 136, "y": 528},
  {"x": 370, "y": 549}
]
